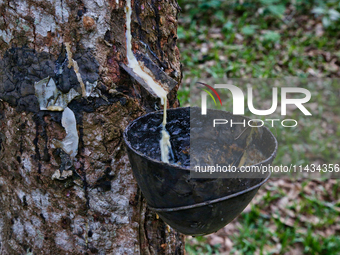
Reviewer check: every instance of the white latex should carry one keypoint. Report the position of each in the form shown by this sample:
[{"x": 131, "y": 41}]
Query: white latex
[
  {"x": 50, "y": 98},
  {"x": 165, "y": 140},
  {"x": 70, "y": 142},
  {"x": 132, "y": 61},
  {"x": 159, "y": 91}
]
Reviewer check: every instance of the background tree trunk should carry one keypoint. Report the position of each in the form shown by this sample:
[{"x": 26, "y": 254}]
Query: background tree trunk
[{"x": 98, "y": 209}]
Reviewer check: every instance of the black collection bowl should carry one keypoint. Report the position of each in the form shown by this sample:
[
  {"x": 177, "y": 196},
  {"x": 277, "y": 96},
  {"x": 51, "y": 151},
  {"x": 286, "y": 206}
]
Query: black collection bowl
[{"x": 193, "y": 206}]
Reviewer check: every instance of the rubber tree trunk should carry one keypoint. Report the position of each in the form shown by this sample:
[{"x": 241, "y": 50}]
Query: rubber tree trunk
[{"x": 50, "y": 201}]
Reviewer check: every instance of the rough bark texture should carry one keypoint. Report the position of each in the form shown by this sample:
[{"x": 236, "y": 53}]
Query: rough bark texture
[{"x": 99, "y": 209}]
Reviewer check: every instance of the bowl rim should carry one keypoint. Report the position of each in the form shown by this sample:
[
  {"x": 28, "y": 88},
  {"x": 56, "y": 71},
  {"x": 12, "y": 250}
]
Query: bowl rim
[{"x": 127, "y": 142}]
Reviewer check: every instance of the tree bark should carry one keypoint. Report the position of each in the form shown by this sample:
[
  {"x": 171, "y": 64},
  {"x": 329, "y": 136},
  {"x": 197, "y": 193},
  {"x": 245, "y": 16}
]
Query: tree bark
[{"x": 92, "y": 205}]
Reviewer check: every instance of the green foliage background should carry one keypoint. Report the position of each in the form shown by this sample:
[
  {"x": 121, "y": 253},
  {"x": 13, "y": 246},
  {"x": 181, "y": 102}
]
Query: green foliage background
[{"x": 274, "y": 39}]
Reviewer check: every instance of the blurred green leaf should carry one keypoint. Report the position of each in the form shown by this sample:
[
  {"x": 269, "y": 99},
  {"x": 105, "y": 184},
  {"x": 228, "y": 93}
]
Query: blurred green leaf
[
  {"x": 318, "y": 10},
  {"x": 249, "y": 30},
  {"x": 220, "y": 15},
  {"x": 277, "y": 10},
  {"x": 210, "y": 4},
  {"x": 228, "y": 26},
  {"x": 326, "y": 22},
  {"x": 333, "y": 14},
  {"x": 269, "y": 2},
  {"x": 180, "y": 33},
  {"x": 272, "y": 36}
]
